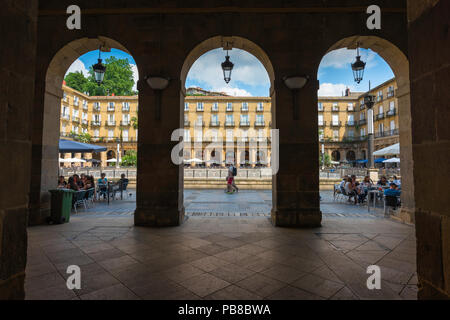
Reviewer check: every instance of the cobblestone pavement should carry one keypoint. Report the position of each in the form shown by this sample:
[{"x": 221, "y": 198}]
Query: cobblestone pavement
[
  {"x": 247, "y": 203},
  {"x": 221, "y": 258}
]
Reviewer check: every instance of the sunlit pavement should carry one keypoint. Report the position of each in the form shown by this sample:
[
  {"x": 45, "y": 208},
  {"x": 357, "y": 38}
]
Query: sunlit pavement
[{"x": 222, "y": 256}]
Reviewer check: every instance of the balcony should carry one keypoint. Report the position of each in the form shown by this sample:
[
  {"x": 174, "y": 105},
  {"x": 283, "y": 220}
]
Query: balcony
[
  {"x": 229, "y": 109},
  {"x": 362, "y": 122},
  {"x": 390, "y": 94},
  {"x": 125, "y": 123},
  {"x": 187, "y": 123},
  {"x": 95, "y": 123},
  {"x": 111, "y": 108},
  {"x": 200, "y": 109},
  {"x": 111, "y": 139},
  {"x": 320, "y": 108},
  {"x": 110, "y": 123},
  {"x": 199, "y": 123},
  {"x": 214, "y": 124},
  {"x": 322, "y": 123},
  {"x": 84, "y": 122},
  {"x": 391, "y": 113},
  {"x": 335, "y": 108},
  {"x": 260, "y": 124},
  {"x": 261, "y": 109},
  {"x": 229, "y": 123},
  {"x": 244, "y": 123},
  {"x": 379, "y": 98},
  {"x": 350, "y": 109},
  {"x": 362, "y": 107},
  {"x": 336, "y": 123},
  {"x": 76, "y": 103},
  {"x": 379, "y": 116},
  {"x": 126, "y": 109},
  {"x": 350, "y": 123},
  {"x": 244, "y": 109},
  {"x": 387, "y": 133},
  {"x": 65, "y": 117},
  {"x": 214, "y": 109},
  {"x": 85, "y": 106},
  {"x": 96, "y": 107},
  {"x": 76, "y": 119}
]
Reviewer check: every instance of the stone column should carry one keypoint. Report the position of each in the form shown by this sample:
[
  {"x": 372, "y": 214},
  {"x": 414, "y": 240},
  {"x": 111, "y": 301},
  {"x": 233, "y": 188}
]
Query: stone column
[
  {"x": 17, "y": 82},
  {"x": 296, "y": 185},
  {"x": 159, "y": 200}
]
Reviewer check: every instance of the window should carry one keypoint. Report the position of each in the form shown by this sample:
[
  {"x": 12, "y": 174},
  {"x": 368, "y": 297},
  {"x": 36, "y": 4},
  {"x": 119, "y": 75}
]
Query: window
[
  {"x": 380, "y": 95},
  {"x": 214, "y": 119},
  {"x": 335, "y": 135},
  {"x": 110, "y": 134},
  {"x": 111, "y": 119},
  {"x": 335, "y": 119},
  {"x": 350, "y": 119},
  {"x": 75, "y": 100},
  {"x": 244, "y": 106},
  {"x": 214, "y": 135},
  {"x": 335, "y": 107},
  {"x": 260, "y": 119},
  {"x": 63, "y": 128},
  {"x": 380, "y": 110},
  {"x": 381, "y": 127},
  {"x": 64, "y": 96},
  {"x": 198, "y": 135},
  {"x": 125, "y": 106},
  {"x": 363, "y": 132},
  {"x": 96, "y": 133},
  {"x": 244, "y": 119},
  {"x": 199, "y": 106},
  {"x": 350, "y": 133},
  {"x": 229, "y": 119},
  {"x": 320, "y": 119},
  {"x": 125, "y": 119},
  {"x": 85, "y": 104},
  {"x": 215, "y": 106},
  {"x": 84, "y": 116},
  {"x": 186, "y": 106},
  {"x": 244, "y": 135},
  {"x": 229, "y": 106},
  {"x": 125, "y": 135},
  {"x": 362, "y": 116},
  {"x": 199, "y": 121},
  {"x": 96, "y": 106},
  {"x": 96, "y": 118},
  {"x": 229, "y": 134},
  {"x": 187, "y": 135},
  {"x": 350, "y": 107},
  {"x": 320, "y": 106},
  {"x": 392, "y": 105},
  {"x": 260, "y": 106},
  {"x": 110, "y": 106},
  {"x": 392, "y": 125}
]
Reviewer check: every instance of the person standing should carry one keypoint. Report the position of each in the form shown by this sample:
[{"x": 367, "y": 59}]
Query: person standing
[{"x": 234, "y": 173}]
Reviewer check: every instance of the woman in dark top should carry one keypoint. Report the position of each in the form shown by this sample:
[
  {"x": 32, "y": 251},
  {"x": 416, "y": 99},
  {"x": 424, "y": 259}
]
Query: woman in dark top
[
  {"x": 62, "y": 182},
  {"x": 72, "y": 184}
]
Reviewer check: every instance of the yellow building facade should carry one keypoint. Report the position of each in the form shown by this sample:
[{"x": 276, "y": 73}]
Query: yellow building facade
[{"x": 242, "y": 124}]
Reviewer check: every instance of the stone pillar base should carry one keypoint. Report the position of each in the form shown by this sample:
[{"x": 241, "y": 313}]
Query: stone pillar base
[
  {"x": 13, "y": 288},
  {"x": 297, "y": 218},
  {"x": 373, "y": 174},
  {"x": 151, "y": 217}
]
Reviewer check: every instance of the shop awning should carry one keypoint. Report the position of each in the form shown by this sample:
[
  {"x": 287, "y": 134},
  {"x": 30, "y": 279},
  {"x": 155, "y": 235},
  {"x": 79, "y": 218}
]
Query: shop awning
[{"x": 75, "y": 146}]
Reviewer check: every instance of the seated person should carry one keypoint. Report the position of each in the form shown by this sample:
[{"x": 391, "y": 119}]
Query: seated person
[
  {"x": 62, "y": 182},
  {"x": 350, "y": 190},
  {"x": 396, "y": 181},
  {"x": 392, "y": 191},
  {"x": 122, "y": 181},
  {"x": 72, "y": 184},
  {"x": 383, "y": 182},
  {"x": 103, "y": 179},
  {"x": 78, "y": 181}
]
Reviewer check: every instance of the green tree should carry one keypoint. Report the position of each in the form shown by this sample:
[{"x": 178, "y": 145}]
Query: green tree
[
  {"x": 84, "y": 137},
  {"x": 327, "y": 160},
  {"x": 129, "y": 159},
  {"x": 77, "y": 81},
  {"x": 118, "y": 79},
  {"x": 134, "y": 121}
]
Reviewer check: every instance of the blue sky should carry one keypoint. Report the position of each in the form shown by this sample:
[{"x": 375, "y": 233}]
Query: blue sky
[{"x": 250, "y": 78}]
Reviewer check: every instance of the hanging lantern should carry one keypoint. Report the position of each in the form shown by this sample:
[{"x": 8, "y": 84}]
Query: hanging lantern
[
  {"x": 358, "y": 67},
  {"x": 227, "y": 67},
  {"x": 99, "y": 69}
]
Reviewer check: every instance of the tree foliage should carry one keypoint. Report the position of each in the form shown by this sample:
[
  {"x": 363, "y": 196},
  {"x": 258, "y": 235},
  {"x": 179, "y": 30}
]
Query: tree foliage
[
  {"x": 129, "y": 159},
  {"x": 118, "y": 79}
]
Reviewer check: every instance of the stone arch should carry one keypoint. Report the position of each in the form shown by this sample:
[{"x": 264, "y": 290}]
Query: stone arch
[
  {"x": 335, "y": 155},
  {"x": 399, "y": 64},
  {"x": 53, "y": 94},
  {"x": 220, "y": 42},
  {"x": 350, "y": 156}
]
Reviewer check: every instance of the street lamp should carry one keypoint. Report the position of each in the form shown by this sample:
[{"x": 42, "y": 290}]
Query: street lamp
[
  {"x": 99, "y": 69},
  {"x": 358, "y": 67},
  {"x": 369, "y": 101},
  {"x": 227, "y": 67}
]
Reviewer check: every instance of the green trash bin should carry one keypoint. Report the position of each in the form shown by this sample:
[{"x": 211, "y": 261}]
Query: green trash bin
[{"x": 61, "y": 205}]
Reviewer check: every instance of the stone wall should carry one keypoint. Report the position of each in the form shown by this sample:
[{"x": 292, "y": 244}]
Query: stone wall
[
  {"x": 17, "y": 59},
  {"x": 430, "y": 115}
]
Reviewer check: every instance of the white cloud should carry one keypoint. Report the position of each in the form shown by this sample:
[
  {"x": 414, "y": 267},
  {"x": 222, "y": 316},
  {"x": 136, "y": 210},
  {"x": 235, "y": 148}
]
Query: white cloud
[
  {"x": 248, "y": 71},
  {"x": 77, "y": 66},
  {"x": 135, "y": 76},
  {"x": 342, "y": 58},
  {"x": 333, "y": 90},
  {"x": 233, "y": 91}
]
